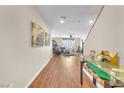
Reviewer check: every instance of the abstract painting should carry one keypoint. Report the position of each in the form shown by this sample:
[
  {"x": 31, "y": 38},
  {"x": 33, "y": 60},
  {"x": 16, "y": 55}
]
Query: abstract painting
[
  {"x": 47, "y": 39},
  {"x": 37, "y": 35}
]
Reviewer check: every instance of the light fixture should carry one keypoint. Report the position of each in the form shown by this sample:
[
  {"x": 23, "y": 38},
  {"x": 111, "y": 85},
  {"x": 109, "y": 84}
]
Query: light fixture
[
  {"x": 61, "y": 21},
  {"x": 71, "y": 38},
  {"x": 91, "y": 21}
]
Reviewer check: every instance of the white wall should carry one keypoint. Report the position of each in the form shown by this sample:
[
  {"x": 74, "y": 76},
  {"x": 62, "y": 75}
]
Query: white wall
[
  {"x": 108, "y": 32},
  {"x": 19, "y": 62}
]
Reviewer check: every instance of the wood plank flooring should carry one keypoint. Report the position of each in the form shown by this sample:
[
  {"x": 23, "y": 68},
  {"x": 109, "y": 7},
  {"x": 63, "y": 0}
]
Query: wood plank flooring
[{"x": 61, "y": 72}]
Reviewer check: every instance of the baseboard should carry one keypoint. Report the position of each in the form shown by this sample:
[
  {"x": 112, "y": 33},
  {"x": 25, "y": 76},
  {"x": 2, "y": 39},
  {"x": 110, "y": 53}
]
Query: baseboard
[
  {"x": 88, "y": 74},
  {"x": 30, "y": 82}
]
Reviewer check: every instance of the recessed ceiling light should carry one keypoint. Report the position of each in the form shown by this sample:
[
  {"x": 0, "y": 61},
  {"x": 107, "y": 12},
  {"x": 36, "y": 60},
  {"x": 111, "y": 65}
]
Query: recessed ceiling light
[
  {"x": 61, "y": 21},
  {"x": 91, "y": 21}
]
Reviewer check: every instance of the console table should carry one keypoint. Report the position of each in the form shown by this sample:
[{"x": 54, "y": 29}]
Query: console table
[{"x": 113, "y": 75}]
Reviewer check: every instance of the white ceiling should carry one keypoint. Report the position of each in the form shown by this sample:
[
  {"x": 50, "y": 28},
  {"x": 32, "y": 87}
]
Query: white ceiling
[{"x": 76, "y": 22}]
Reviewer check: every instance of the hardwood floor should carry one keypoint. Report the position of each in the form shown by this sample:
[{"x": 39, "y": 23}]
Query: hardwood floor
[{"x": 61, "y": 72}]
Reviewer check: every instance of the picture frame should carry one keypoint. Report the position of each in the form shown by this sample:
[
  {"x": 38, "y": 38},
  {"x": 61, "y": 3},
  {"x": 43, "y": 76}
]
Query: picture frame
[
  {"x": 37, "y": 35},
  {"x": 47, "y": 39}
]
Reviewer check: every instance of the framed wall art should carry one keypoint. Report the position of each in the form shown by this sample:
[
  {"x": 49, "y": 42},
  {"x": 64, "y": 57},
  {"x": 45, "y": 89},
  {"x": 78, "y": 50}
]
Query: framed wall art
[
  {"x": 37, "y": 35},
  {"x": 47, "y": 39}
]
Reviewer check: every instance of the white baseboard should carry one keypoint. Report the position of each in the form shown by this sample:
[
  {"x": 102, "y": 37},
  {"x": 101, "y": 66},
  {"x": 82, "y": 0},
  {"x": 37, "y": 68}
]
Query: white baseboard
[
  {"x": 88, "y": 74},
  {"x": 38, "y": 72}
]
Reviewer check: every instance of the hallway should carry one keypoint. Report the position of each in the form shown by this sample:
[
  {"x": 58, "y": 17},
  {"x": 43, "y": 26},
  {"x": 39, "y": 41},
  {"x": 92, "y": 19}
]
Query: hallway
[
  {"x": 61, "y": 72},
  {"x": 26, "y": 42}
]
